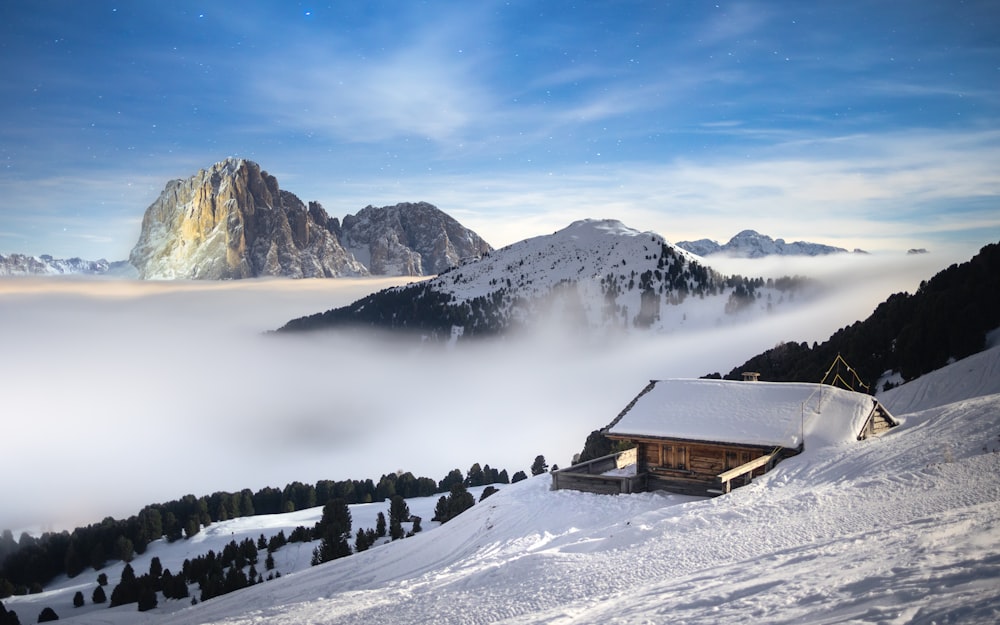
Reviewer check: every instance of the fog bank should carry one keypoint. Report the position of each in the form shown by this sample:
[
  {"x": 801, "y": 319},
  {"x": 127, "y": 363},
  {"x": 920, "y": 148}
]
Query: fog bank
[{"x": 117, "y": 394}]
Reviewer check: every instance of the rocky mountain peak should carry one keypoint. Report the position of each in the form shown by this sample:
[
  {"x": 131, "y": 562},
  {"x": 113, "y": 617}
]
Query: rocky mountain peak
[
  {"x": 233, "y": 220},
  {"x": 411, "y": 239}
]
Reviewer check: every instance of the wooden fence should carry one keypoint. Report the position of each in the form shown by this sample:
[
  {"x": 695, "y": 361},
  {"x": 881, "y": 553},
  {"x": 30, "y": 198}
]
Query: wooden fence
[{"x": 607, "y": 475}]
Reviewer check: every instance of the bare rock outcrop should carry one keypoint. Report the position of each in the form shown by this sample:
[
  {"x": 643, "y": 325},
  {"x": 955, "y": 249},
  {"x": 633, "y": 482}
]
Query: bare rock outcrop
[
  {"x": 409, "y": 239},
  {"x": 233, "y": 221}
]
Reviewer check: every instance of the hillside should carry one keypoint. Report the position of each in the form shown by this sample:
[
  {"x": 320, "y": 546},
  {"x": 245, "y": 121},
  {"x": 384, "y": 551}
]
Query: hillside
[
  {"x": 907, "y": 335},
  {"x": 597, "y": 275},
  {"x": 902, "y": 528}
]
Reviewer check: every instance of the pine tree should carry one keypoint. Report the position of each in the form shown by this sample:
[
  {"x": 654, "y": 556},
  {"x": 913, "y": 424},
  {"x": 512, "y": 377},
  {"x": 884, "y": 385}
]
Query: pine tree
[
  {"x": 335, "y": 531},
  {"x": 155, "y": 568},
  {"x": 459, "y": 501},
  {"x": 78, "y": 600},
  {"x": 146, "y": 597},
  {"x": 441, "y": 510},
  {"x": 539, "y": 466},
  {"x": 98, "y": 596},
  {"x": 124, "y": 549},
  {"x": 454, "y": 477},
  {"x": 475, "y": 476},
  {"x": 399, "y": 512}
]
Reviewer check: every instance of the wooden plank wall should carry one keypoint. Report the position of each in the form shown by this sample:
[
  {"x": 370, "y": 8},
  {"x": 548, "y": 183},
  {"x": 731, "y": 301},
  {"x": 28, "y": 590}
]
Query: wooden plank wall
[{"x": 700, "y": 461}]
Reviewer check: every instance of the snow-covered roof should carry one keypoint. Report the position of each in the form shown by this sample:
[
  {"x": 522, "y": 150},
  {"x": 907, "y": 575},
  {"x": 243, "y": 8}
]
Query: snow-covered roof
[{"x": 750, "y": 413}]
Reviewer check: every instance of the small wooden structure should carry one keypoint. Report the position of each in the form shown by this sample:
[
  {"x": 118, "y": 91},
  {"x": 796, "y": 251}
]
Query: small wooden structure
[{"x": 705, "y": 437}]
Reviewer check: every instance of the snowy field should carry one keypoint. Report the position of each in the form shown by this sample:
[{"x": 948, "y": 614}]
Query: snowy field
[{"x": 900, "y": 529}]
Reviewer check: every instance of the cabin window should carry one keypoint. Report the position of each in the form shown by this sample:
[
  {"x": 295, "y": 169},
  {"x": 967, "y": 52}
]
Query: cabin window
[{"x": 680, "y": 457}]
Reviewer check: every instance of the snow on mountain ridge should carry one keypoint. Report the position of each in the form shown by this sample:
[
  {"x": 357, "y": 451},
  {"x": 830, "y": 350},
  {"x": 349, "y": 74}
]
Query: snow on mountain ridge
[
  {"x": 752, "y": 244},
  {"x": 612, "y": 274},
  {"x": 46, "y": 265},
  {"x": 595, "y": 275}
]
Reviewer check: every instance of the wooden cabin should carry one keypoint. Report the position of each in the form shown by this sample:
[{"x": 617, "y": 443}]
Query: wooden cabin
[{"x": 704, "y": 437}]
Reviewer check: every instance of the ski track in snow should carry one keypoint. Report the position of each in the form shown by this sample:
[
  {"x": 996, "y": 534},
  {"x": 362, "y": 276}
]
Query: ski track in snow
[{"x": 904, "y": 528}]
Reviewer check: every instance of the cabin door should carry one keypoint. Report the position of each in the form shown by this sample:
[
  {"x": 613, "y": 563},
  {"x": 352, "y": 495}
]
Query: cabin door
[{"x": 673, "y": 457}]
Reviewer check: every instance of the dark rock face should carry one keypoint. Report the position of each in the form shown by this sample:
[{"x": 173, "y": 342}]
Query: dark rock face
[
  {"x": 232, "y": 221},
  {"x": 409, "y": 239}
]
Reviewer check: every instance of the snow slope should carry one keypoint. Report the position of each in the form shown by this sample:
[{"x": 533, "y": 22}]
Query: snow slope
[
  {"x": 904, "y": 528},
  {"x": 977, "y": 375},
  {"x": 595, "y": 275}
]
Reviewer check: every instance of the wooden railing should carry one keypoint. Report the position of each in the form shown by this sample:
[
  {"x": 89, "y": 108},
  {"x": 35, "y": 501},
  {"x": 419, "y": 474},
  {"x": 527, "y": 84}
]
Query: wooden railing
[
  {"x": 593, "y": 476},
  {"x": 726, "y": 478}
]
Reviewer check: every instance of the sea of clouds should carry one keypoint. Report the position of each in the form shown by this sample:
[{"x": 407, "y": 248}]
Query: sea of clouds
[{"x": 117, "y": 393}]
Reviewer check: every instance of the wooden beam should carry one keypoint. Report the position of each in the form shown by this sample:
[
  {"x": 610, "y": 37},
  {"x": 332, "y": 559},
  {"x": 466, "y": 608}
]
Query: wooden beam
[{"x": 727, "y": 476}]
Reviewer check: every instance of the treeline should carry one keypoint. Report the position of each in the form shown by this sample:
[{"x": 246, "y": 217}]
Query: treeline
[
  {"x": 947, "y": 317},
  {"x": 415, "y": 307},
  {"x": 31, "y": 562}
]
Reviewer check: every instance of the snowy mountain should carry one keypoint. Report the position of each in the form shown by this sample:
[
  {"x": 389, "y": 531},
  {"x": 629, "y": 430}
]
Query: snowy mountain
[
  {"x": 903, "y": 528},
  {"x": 752, "y": 244},
  {"x": 233, "y": 221},
  {"x": 594, "y": 274},
  {"x": 45, "y": 265}
]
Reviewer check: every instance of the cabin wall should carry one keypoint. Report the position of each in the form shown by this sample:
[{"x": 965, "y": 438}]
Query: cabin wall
[{"x": 693, "y": 461}]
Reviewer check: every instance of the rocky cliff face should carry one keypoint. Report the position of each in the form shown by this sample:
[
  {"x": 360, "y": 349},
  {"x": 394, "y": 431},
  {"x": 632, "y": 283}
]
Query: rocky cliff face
[
  {"x": 409, "y": 239},
  {"x": 232, "y": 221}
]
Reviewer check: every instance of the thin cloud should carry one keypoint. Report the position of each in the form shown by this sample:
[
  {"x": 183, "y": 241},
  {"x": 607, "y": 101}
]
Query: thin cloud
[{"x": 873, "y": 192}]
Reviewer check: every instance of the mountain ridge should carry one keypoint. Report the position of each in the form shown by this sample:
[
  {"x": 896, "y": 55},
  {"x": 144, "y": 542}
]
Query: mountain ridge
[
  {"x": 752, "y": 244},
  {"x": 233, "y": 221},
  {"x": 45, "y": 265},
  {"x": 593, "y": 274}
]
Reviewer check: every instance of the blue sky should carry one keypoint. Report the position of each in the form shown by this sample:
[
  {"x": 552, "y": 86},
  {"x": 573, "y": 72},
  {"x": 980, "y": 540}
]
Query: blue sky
[{"x": 859, "y": 124}]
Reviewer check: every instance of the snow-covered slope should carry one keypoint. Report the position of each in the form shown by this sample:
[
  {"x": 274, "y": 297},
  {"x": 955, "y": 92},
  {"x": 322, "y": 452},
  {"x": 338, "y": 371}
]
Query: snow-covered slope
[
  {"x": 977, "y": 375},
  {"x": 598, "y": 275},
  {"x": 904, "y": 528}
]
